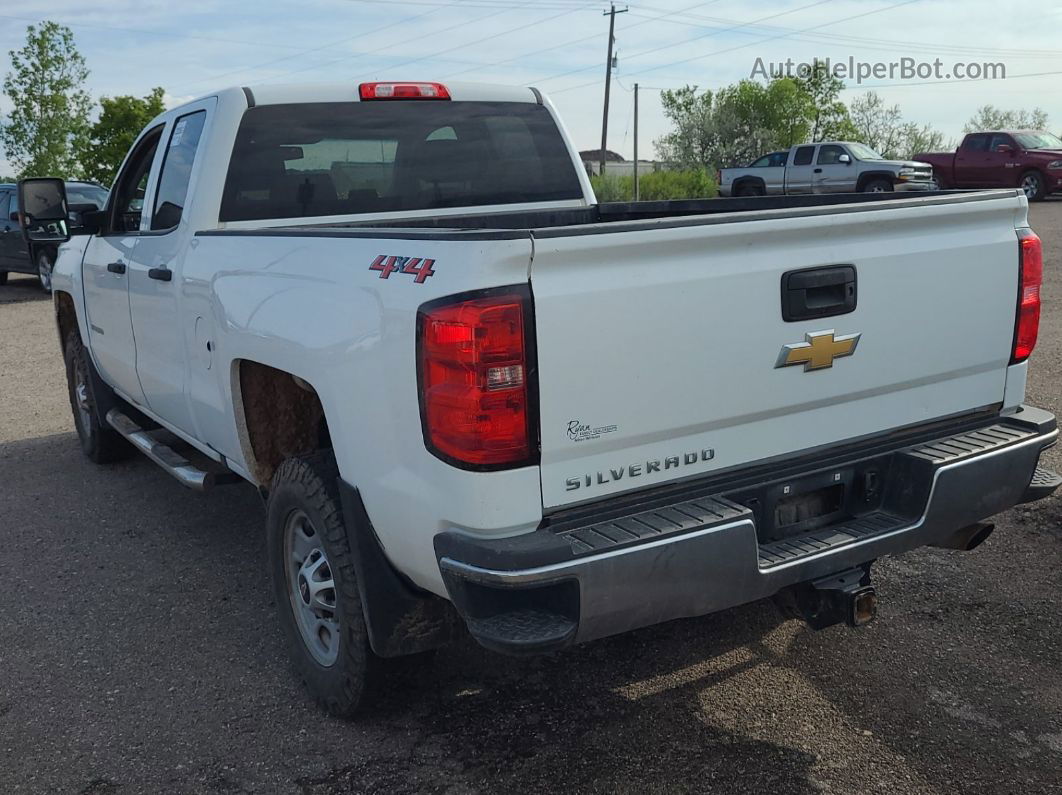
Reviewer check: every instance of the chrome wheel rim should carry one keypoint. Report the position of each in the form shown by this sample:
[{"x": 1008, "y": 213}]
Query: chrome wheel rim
[
  {"x": 311, "y": 589},
  {"x": 1030, "y": 186},
  {"x": 44, "y": 271},
  {"x": 877, "y": 189}
]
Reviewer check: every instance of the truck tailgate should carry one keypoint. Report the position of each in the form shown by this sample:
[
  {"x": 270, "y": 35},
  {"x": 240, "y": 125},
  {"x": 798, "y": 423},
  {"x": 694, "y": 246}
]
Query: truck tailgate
[{"x": 659, "y": 343}]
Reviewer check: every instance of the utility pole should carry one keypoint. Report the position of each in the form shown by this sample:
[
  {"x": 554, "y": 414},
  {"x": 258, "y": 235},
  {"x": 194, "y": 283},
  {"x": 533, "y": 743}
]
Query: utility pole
[
  {"x": 636, "y": 142},
  {"x": 611, "y": 13}
]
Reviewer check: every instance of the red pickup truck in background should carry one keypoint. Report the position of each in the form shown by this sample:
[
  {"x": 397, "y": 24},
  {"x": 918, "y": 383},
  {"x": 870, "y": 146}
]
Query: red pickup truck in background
[{"x": 1026, "y": 159}]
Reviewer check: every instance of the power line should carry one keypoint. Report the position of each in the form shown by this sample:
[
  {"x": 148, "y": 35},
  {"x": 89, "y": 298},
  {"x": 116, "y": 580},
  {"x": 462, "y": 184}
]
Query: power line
[
  {"x": 751, "y": 43},
  {"x": 867, "y": 40},
  {"x": 353, "y": 56},
  {"x": 492, "y": 36},
  {"x": 943, "y": 82},
  {"x": 146, "y": 32},
  {"x": 573, "y": 41},
  {"x": 326, "y": 46},
  {"x": 697, "y": 38},
  {"x": 547, "y": 5}
]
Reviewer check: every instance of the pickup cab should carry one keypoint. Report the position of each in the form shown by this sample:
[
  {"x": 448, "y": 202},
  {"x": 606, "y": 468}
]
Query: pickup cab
[
  {"x": 474, "y": 400},
  {"x": 1027, "y": 159},
  {"x": 830, "y": 167}
]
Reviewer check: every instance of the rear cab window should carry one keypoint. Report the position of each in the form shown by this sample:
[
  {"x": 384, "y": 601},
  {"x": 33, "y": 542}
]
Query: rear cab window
[
  {"x": 339, "y": 158},
  {"x": 177, "y": 162}
]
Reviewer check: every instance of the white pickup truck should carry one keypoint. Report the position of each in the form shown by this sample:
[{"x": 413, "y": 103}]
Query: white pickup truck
[{"x": 473, "y": 398}]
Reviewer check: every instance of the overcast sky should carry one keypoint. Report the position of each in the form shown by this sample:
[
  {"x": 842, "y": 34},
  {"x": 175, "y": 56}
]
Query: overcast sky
[{"x": 195, "y": 46}]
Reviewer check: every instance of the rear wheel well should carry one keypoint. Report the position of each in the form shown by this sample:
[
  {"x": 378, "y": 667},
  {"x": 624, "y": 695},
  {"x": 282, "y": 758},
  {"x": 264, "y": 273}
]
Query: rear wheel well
[
  {"x": 279, "y": 416},
  {"x": 750, "y": 182}
]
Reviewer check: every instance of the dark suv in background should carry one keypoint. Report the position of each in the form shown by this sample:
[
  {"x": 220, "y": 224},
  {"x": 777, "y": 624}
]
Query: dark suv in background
[{"x": 19, "y": 256}]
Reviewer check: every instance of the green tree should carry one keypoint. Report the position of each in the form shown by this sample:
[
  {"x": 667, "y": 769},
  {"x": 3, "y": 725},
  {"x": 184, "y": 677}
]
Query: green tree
[
  {"x": 917, "y": 139},
  {"x": 120, "y": 122},
  {"x": 828, "y": 118},
  {"x": 49, "y": 114},
  {"x": 883, "y": 129},
  {"x": 692, "y": 141},
  {"x": 734, "y": 124},
  {"x": 989, "y": 117}
]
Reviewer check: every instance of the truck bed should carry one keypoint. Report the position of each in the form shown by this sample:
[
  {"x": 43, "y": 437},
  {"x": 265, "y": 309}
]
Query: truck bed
[{"x": 680, "y": 212}]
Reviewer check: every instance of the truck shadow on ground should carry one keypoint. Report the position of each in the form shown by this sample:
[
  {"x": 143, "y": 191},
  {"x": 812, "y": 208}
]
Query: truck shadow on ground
[
  {"x": 737, "y": 701},
  {"x": 22, "y": 287}
]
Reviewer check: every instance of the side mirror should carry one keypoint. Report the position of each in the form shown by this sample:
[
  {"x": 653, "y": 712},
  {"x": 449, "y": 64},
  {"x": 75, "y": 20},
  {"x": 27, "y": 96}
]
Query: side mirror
[
  {"x": 846, "y": 159},
  {"x": 85, "y": 219},
  {"x": 43, "y": 210},
  {"x": 1004, "y": 149}
]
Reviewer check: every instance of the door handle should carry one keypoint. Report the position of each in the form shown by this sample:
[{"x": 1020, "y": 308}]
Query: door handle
[
  {"x": 160, "y": 274},
  {"x": 818, "y": 292},
  {"x": 116, "y": 267},
  {"x": 818, "y": 170}
]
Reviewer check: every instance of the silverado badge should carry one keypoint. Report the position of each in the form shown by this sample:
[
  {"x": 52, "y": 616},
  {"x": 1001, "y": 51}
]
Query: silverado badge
[{"x": 818, "y": 350}]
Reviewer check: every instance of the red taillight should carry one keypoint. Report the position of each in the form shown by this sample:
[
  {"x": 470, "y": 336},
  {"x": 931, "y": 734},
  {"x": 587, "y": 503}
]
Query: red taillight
[
  {"x": 369, "y": 91},
  {"x": 475, "y": 369},
  {"x": 1031, "y": 277}
]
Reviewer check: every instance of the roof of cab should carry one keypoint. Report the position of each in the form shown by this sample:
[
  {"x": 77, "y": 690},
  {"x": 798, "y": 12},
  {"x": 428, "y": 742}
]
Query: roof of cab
[{"x": 348, "y": 92}]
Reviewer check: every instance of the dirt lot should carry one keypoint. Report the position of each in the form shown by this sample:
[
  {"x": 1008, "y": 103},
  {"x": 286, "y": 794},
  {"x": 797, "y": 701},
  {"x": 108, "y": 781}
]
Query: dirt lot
[{"x": 138, "y": 651}]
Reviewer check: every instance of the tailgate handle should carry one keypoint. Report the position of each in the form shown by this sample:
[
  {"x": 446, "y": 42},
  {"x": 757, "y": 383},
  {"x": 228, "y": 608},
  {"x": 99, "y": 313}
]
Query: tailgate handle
[{"x": 818, "y": 292}]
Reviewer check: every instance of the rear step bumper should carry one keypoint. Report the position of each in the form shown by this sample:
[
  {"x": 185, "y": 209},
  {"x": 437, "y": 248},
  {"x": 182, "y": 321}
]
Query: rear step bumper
[{"x": 609, "y": 573}]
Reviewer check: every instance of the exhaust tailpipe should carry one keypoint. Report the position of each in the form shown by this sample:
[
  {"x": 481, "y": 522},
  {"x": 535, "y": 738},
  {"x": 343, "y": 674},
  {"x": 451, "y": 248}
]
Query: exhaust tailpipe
[{"x": 967, "y": 538}]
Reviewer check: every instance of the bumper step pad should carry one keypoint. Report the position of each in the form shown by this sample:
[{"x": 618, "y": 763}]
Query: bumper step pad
[
  {"x": 838, "y": 535},
  {"x": 521, "y": 629},
  {"x": 964, "y": 445},
  {"x": 646, "y": 525},
  {"x": 1043, "y": 484}
]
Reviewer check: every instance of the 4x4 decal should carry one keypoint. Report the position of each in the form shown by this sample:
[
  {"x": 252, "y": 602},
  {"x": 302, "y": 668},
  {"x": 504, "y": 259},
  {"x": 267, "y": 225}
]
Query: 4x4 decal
[{"x": 412, "y": 266}]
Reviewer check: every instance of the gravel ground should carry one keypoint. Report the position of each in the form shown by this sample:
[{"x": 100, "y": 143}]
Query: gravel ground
[{"x": 138, "y": 651}]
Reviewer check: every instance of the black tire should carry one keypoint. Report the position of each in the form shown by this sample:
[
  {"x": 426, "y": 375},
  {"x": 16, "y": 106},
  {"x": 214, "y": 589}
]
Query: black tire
[
  {"x": 3, "y": 278},
  {"x": 750, "y": 189},
  {"x": 101, "y": 443},
  {"x": 1033, "y": 186},
  {"x": 941, "y": 183},
  {"x": 45, "y": 260},
  {"x": 877, "y": 185},
  {"x": 306, "y": 488}
]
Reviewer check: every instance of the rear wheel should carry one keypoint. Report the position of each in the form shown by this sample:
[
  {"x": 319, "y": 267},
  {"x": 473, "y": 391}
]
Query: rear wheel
[
  {"x": 878, "y": 186},
  {"x": 315, "y": 584},
  {"x": 1032, "y": 185},
  {"x": 750, "y": 189},
  {"x": 45, "y": 263},
  {"x": 3, "y": 278},
  {"x": 101, "y": 443},
  {"x": 941, "y": 184}
]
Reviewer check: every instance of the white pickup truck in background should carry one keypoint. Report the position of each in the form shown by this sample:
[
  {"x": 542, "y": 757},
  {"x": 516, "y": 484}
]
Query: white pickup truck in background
[{"x": 472, "y": 396}]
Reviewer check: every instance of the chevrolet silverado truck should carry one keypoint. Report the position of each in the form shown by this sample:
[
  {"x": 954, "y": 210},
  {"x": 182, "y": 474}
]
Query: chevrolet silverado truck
[
  {"x": 476, "y": 400},
  {"x": 1027, "y": 159},
  {"x": 831, "y": 167}
]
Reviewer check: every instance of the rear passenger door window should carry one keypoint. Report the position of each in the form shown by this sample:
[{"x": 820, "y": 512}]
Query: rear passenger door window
[
  {"x": 803, "y": 156},
  {"x": 176, "y": 173}
]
